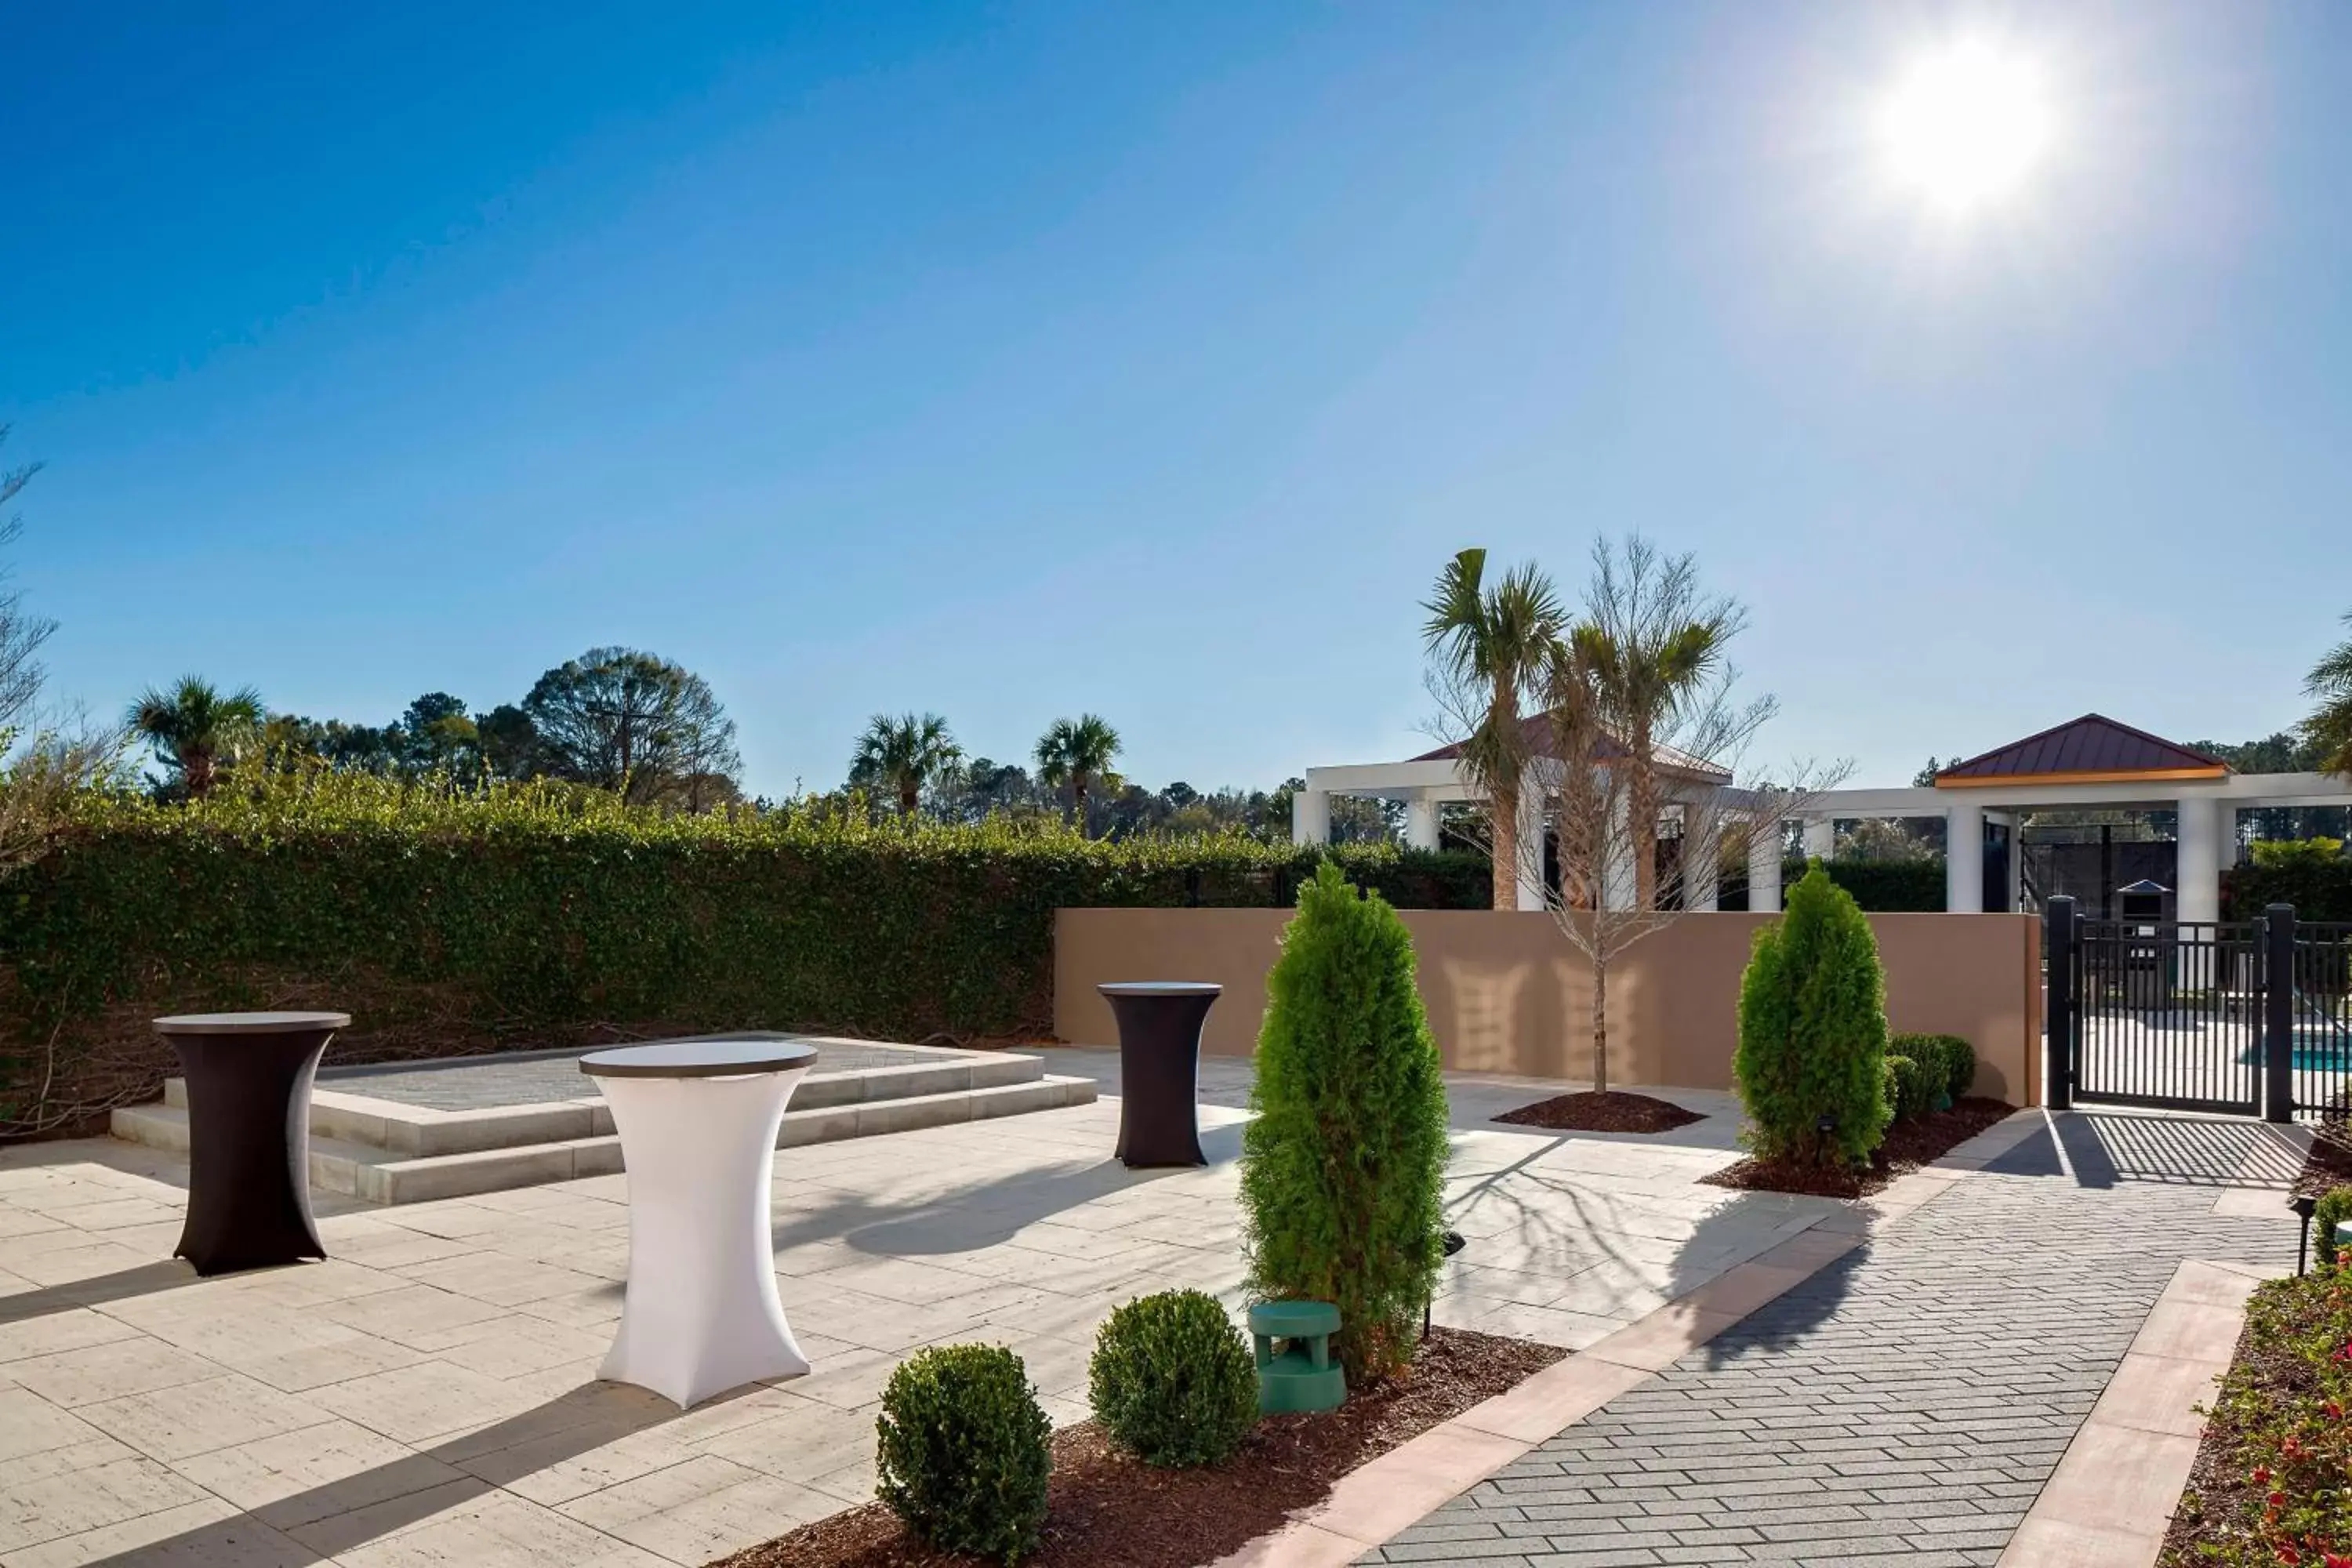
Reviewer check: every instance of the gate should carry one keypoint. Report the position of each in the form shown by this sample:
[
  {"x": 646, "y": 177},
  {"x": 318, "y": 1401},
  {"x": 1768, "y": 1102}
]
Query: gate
[{"x": 2232, "y": 1017}]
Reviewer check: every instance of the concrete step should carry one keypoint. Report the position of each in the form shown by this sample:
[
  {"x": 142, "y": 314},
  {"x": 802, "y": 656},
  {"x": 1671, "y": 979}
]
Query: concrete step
[{"x": 375, "y": 1174}]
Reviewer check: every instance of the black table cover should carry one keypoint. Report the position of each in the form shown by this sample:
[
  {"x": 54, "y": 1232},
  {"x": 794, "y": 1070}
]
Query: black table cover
[
  {"x": 249, "y": 1078},
  {"x": 1160, "y": 1068}
]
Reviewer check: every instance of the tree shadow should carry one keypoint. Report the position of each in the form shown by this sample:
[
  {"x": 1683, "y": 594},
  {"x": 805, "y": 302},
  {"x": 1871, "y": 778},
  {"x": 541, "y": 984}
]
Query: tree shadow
[{"x": 344, "y": 1515}]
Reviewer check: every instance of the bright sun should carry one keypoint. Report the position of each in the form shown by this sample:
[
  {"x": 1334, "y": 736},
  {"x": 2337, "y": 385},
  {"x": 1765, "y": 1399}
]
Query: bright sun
[{"x": 1965, "y": 128}]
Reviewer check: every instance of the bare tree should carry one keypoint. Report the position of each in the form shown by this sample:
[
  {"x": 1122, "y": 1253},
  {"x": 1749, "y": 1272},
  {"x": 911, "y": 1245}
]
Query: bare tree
[
  {"x": 1604, "y": 794},
  {"x": 21, "y": 635}
]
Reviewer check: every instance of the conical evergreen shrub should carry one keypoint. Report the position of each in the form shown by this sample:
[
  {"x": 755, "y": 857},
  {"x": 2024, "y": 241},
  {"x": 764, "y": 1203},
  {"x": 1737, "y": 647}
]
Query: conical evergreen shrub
[
  {"x": 1343, "y": 1169},
  {"x": 1812, "y": 1031}
]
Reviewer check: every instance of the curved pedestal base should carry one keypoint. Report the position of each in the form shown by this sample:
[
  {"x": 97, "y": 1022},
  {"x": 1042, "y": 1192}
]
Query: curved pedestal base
[
  {"x": 248, "y": 1148},
  {"x": 702, "y": 1314}
]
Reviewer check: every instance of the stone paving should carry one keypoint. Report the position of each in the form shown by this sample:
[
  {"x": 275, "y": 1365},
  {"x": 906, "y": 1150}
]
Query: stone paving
[
  {"x": 1907, "y": 1403},
  {"x": 540, "y": 1078},
  {"x": 429, "y": 1394}
]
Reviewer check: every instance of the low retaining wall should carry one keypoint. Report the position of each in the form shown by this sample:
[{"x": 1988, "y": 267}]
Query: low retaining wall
[{"x": 1506, "y": 994}]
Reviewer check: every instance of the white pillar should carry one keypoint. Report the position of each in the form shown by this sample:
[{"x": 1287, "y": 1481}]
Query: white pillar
[
  {"x": 1763, "y": 867},
  {"x": 2198, "y": 895},
  {"x": 1702, "y": 860},
  {"x": 1310, "y": 816},
  {"x": 1964, "y": 859},
  {"x": 1420, "y": 823},
  {"x": 1821, "y": 837},
  {"x": 1532, "y": 840},
  {"x": 1618, "y": 889},
  {"x": 2016, "y": 861}
]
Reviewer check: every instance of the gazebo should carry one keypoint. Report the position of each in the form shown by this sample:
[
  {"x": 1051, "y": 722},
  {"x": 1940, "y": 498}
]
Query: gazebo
[{"x": 2093, "y": 763}]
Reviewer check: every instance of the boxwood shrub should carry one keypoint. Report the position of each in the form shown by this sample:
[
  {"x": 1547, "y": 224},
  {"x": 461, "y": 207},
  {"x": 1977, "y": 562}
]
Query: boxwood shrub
[
  {"x": 1911, "y": 1086},
  {"x": 2333, "y": 1210},
  {"x": 1172, "y": 1378},
  {"x": 1951, "y": 1061},
  {"x": 961, "y": 1453}
]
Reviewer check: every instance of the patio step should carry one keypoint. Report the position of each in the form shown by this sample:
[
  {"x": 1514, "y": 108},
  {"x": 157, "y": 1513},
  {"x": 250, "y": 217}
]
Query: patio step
[{"x": 375, "y": 1174}]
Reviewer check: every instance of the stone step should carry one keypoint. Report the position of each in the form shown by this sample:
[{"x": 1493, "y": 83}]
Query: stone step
[
  {"x": 375, "y": 1174},
  {"x": 339, "y": 1113}
]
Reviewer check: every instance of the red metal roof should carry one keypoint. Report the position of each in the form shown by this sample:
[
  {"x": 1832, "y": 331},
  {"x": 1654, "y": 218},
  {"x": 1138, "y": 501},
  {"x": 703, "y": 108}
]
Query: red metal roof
[{"x": 2093, "y": 743}]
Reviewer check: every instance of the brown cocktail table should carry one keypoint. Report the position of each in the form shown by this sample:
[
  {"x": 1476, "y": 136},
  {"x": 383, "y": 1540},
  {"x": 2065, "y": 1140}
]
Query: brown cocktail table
[
  {"x": 249, "y": 1078},
  {"x": 1160, "y": 1068}
]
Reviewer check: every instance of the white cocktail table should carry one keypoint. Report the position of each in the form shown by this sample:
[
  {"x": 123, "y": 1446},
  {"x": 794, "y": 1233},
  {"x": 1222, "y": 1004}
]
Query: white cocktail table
[{"x": 698, "y": 1121}]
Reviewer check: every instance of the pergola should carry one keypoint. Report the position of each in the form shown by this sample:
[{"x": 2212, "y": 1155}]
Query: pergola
[{"x": 2092, "y": 763}]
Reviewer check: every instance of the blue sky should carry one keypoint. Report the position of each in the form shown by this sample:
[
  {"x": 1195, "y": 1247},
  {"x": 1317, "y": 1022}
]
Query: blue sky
[{"x": 1019, "y": 360}]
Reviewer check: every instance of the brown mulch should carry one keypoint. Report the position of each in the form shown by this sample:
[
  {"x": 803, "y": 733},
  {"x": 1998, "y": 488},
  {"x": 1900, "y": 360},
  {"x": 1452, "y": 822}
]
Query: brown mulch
[
  {"x": 2327, "y": 1166},
  {"x": 1107, "y": 1510},
  {"x": 1602, "y": 1113},
  {"x": 1908, "y": 1145}
]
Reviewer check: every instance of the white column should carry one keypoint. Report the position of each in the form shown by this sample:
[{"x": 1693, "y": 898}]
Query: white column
[
  {"x": 1618, "y": 889},
  {"x": 1964, "y": 859},
  {"x": 1532, "y": 840},
  {"x": 1310, "y": 816},
  {"x": 2198, "y": 895},
  {"x": 1702, "y": 858},
  {"x": 1821, "y": 837},
  {"x": 1763, "y": 867},
  {"x": 1420, "y": 823},
  {"x": 2016, "y": 861}
]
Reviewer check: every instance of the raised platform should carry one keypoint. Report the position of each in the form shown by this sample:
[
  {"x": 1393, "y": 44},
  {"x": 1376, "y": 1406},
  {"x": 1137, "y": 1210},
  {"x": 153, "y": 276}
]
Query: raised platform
[{"x": 405, "y": 1133}]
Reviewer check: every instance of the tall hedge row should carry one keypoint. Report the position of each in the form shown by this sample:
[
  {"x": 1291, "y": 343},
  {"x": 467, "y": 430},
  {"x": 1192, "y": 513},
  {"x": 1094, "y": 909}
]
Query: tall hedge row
[
  {"x": 537, "y": 917},
  {"x": 2319, "y": 889}
]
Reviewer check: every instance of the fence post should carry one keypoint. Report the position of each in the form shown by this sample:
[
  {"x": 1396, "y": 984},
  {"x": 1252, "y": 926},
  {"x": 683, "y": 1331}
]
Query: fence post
[
  {"x": 2278, "y": 1013},
  {"x": 2059, "y": 933}
]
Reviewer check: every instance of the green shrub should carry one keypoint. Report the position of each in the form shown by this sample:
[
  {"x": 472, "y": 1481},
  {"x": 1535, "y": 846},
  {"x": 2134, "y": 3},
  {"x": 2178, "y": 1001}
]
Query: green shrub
[
  {"x": 1951, "y": 1061},
  {"x": 1343, "y": 1168},
  {"x": 1812, "y": 1031},
  {"x": 1174, "y": 1380},
  {"x": 961, "y": 1454},
  {"x": 539, "y": 915},
  {"x": 1912, "y": 1086},
  {"x": 2331, "y": 1210},
  {"x": 2319, "y": 886}
]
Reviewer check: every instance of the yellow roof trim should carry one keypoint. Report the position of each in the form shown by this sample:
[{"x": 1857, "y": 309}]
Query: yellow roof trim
[{"x": 2125, "y": 776}]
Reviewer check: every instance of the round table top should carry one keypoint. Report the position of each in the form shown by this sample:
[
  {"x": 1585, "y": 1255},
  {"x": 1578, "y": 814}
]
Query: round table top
[
  {"x": 730, "y": 1057},
  {"x": 250, "y": 1023},
  {"x": 1161, "y": 988}
]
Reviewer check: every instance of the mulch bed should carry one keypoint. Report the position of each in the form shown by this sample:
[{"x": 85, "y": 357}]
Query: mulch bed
[
  {"x": 1605, "y": 1113},
  {"x": 1908, "y": 1145},
  {"x": 1107, "y": 1510},
  {"x": 2327, "y": 1166}
]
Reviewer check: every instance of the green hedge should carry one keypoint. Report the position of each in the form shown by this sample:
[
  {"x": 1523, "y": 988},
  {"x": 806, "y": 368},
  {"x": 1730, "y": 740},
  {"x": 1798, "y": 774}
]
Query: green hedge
[
  {"x": 2319, "y": 889},
  {"x": 536, "y": 915},
  {"x": 1880, "y": 887}
]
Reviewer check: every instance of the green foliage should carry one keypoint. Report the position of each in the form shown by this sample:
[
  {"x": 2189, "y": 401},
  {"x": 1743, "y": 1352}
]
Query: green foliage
[
  {"x": 1174, "y": 1380},
  {"x": 1812, "y": 1031},
  {"x": 2320, "y": 887},
  {"x": 1912, "y": 1086},
  {"x": 2333, "y": 1210},
  {"x": 1888, "y": 886},
  {"x": 1951, "y": 1061},
  {"x": 1343, "y": 1169},
  {"x": 2270, "y": 1487},
  {"x": 960, "y": 1452},
  {"x": 530, "y": 914},
  {"x": 2272, "y": 854}
]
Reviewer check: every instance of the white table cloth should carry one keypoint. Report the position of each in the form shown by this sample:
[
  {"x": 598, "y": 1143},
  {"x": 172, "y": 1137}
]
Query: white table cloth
[{"x": 697, "y": 1122}]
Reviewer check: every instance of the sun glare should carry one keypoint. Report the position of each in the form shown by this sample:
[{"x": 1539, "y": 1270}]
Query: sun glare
[{"x": 1965, "y": 128}]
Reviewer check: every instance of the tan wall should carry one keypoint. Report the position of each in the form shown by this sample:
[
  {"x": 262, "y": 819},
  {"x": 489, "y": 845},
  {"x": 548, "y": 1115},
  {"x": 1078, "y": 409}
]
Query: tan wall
[{"x": 1506, "y": 994}]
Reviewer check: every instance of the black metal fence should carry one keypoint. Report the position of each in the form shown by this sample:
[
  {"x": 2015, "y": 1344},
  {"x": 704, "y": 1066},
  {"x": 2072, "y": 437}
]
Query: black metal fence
[{"x": 2239, "y": 1017}]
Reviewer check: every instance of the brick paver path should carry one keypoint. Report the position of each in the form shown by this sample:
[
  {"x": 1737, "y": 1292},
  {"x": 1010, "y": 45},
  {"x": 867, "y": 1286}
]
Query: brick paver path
[{"x": 1906, "y": 1404}]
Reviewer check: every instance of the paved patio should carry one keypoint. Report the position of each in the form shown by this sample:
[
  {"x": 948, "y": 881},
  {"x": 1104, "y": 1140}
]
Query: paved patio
[
  {"x": 429, "y": 1395},
  {"x": 1909, "y": 1403}
]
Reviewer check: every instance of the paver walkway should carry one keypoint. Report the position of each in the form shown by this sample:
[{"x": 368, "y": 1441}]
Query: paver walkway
[{"x": 1907, "y": 1403}]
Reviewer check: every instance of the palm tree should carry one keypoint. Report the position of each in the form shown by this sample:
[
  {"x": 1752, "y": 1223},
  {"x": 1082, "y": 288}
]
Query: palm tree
[
  {"x": 1495, "y": 644},
  {"x": 1651, "y": 644},
  {"x": 2329, "y": 728},
  {"x": 1078, "y": 753},
  {"x": 903, "y": 755},
  {"x": 193, "y": 723}
]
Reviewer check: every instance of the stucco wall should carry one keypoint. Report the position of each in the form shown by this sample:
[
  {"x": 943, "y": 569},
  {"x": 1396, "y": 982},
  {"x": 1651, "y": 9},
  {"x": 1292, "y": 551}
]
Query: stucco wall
[{"x": 1506, "y": 994}]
